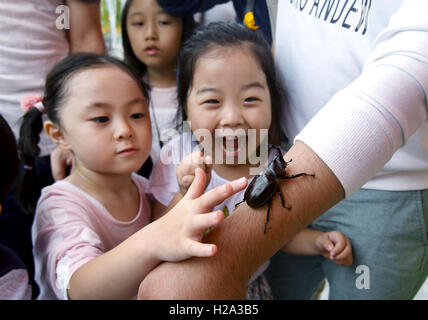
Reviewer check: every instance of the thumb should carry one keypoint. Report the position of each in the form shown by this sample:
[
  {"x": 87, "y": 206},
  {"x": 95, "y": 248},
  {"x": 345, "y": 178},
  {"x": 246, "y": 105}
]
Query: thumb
[{"x": 197, "y": 187}]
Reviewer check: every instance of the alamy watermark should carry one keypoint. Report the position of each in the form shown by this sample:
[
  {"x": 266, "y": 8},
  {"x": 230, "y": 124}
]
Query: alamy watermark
[
  {"x": 226, "y": 146},
  {"x": 363, "y": 280},
  {"x": 63, "y": 20}
]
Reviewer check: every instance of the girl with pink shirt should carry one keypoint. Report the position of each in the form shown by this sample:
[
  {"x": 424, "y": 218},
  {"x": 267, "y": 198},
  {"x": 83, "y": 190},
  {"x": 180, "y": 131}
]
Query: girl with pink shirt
[{"x": 92, "y": 236}]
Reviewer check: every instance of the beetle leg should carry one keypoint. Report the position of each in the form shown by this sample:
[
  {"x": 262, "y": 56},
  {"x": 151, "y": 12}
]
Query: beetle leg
[
  {"x": 236, "y": 205},
  {"x": 282, "y": 199},
  {"x": 277, "y": 148},
  {"x": 267, "y": 215},
  {"x": 297, "y": 175}
]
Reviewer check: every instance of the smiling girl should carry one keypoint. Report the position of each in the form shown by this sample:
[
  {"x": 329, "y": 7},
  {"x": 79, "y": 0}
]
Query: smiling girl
[{"x": 227, "y": 86}]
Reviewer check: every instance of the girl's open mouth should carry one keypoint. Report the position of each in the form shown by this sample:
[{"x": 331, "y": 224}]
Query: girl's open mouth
[{"x": 233, "y": 146}]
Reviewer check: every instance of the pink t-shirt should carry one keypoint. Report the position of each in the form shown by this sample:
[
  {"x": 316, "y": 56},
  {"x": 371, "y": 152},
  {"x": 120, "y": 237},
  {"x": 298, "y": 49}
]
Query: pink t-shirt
[
  {"x": 14, "y": 280},
  {"x": 15, "y": 285},
  {"x": 71, "y": 228}
]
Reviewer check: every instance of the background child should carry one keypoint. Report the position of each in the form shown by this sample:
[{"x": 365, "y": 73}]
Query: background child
[
  {"x": 227, "y": 85},
  {"x": 89, "y": 234},
  {"x": 14, "y": 279},
  {"x": 151, "y": 41}
]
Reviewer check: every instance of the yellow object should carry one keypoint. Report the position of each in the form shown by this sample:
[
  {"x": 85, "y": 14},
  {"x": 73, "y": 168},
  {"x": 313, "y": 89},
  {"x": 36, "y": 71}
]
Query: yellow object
[
  {"x": 226, "y": 212},
  {"x": 249, "y": 21}
]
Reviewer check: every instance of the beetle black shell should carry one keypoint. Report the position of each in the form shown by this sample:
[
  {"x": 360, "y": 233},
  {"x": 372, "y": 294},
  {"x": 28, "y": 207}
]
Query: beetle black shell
[
  {"x": 260, "y": 190},
  {"x": 264, "y": 186}
]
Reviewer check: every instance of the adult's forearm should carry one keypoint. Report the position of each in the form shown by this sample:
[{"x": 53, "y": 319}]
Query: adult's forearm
[{"x": 242, "y": 245}]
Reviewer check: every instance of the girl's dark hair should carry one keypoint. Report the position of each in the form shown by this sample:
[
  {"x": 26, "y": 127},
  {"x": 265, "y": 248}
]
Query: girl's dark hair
[
  {"x": 230, "y": 34},
  {"x": 56, "y": 93},
  {"x": 189, "y": 26},
  {"x": 9, "y": 162}
]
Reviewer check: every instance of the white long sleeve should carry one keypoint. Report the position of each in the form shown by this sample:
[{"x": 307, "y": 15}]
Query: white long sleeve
[{"x": 382, "y": 110}]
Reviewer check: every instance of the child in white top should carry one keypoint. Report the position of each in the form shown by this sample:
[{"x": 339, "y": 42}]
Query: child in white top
[
  {"x": 227, "y": 87},
  {"x": 91, "y": 234},
  {"x": 151, "y": 41}
]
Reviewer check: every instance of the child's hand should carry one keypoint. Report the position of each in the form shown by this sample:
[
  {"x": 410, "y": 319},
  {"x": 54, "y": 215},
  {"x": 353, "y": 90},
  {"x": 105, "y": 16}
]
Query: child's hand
[
  {"x": 187, "y": 167},
  {"x": 60, "y": 160},
  {"x": 179, "y": 232},
  {"x": 335, "y": 246}
]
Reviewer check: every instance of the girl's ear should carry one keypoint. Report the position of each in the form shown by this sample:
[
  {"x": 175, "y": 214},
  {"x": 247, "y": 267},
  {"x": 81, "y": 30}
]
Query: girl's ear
[{"x": 56, "y": 134}]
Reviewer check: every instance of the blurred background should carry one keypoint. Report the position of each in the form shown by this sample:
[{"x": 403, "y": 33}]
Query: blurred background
[{"x": 110, "y": 21}]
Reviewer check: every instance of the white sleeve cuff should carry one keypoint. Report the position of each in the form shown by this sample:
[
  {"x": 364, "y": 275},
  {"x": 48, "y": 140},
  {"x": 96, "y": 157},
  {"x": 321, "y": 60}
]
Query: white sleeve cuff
[{"x": 351, "y": 141}]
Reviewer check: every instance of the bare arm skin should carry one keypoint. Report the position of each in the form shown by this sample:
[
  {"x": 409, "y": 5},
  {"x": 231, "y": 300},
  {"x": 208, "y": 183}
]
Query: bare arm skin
[
  {"x": 304, "y": 243},
  {"x": 85, "y": 33},
  {"x": 242, "y": 246}
]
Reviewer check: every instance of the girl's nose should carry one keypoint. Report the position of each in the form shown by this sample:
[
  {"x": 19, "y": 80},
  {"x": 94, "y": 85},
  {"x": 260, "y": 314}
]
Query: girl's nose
[
  {"x": 151, "y": 32},
  {"x": 231, "y": 116},
  {"x": 123, "y": 130}
]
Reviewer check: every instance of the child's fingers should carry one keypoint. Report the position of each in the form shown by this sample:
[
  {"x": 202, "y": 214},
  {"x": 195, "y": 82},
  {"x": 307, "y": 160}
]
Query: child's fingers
[
  {"x": 197, "y": 159},
  {"x": 346, "y": 262},
  {"x": 187, "y": 169},
  {"x": 217, "y": 195},
  {"x": 205, "y": 163},
  {"x": 201, "y": 222},
  {"x": 208, "y": 161},
  {"x": 208, "y": 166},
  {"x": 343, "y": 254},
  {"x": 197, "y": 187},
  {"x": 193, "y": 158},
  {"x": 338, "y": 239},
  {"x": 198, "y": 249},
  {"x": 187, "y": 180},
  {"x": 324, "y": 243},
  {"x": 60, "y": 159}
]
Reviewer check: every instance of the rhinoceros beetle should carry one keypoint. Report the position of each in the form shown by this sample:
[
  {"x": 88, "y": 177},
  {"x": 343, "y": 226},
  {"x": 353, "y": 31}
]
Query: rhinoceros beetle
[{"x": 264, "y": 186}]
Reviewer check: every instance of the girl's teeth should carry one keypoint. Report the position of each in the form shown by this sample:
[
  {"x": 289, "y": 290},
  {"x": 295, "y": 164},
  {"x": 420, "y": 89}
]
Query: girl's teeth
[{"x": 233, "y": 144}]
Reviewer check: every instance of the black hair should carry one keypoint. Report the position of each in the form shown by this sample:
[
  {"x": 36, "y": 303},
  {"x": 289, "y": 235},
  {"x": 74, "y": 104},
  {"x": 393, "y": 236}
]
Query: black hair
[
  {"x": 230, "y": 34},
  {"x": 9, "y": 162},
  {"x": 56, "y": 93},
  {"x": 189, "y": 26}
]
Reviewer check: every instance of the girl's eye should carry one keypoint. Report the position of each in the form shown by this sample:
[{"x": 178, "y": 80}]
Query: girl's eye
[
  {"x": 211, "y": 101},
  {"x": 251, "y": 99},
  {"x": 137, "y": 115},
  {"x": 164, "y": 22},
  {"x": 100, "y": 119},
  {"x": 137, "y": 24}
]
